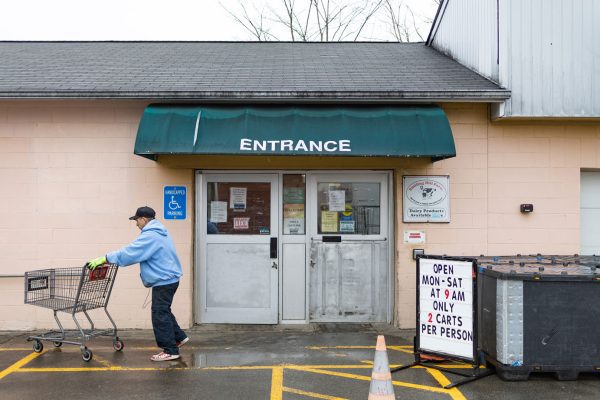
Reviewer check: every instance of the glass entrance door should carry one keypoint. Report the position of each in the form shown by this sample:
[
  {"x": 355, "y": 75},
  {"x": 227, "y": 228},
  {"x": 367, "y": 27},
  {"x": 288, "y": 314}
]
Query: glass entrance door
[
  {"x": 238, "y": 228},
  {"x": 349, "y": 260}
]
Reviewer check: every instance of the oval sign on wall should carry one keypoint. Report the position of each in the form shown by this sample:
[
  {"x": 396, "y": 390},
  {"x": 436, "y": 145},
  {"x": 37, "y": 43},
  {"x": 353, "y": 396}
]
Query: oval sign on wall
[{"x": 426, "y": 199}]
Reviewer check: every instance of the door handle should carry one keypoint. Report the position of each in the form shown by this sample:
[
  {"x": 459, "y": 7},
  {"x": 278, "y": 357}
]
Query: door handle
[
  {"x": 273, "y": 247},
  {"x": 274, "y": 266}
]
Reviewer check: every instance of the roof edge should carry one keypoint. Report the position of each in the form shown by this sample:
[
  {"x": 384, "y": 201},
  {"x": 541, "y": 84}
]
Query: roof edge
[
  {"x": 439, "y": 15},
  {"x": 487, "y": 96}
]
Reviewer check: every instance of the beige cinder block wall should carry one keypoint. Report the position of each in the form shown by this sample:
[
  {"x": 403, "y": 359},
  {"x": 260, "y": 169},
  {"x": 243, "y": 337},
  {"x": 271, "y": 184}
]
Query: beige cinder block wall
[
  {"x": 498, "y": 166},
  {"x": 68, "y": 182}
]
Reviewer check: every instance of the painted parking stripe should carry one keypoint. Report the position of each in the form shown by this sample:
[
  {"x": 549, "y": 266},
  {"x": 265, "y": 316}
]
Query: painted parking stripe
[
  {"x": 16, "y": 366},
  {"x": 277, "y": 387},
  {"x": 354, "y": 347},
  {"x": 150, "y": 348},
  {"x": 277, "y": 384},
  {"x": 368, "y": 378},
  {"x": 312, "y": 394},
  {"x": 15, "y": 348},
  {"x": 277, "y": 371},
  {"x": 441, "y": 378}
]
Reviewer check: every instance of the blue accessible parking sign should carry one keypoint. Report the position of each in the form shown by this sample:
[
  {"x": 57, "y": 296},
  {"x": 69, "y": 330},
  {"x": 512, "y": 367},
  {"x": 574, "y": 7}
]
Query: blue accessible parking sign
[{"x": 174, "y": 202}]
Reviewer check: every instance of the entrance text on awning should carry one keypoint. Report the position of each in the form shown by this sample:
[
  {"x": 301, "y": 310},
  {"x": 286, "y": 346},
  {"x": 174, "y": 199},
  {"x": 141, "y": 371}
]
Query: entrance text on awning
[{"x": 308, "y": 146}]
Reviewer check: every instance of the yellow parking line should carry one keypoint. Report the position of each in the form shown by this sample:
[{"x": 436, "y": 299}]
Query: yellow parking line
[
  {"x": 104, "y": 347},
  {"x": 325, "y": 366},
  {"x": 451, "y": 366},
  {"x": 232, "y": 368},
  {"x": 15, "y": 348},
  {"x": 103, "y": 361},
  {"x": 277, "y": 387},
  {"x": 403, "y": 349},
  {"x": 254, "y": 367},
  {"x": 277, "y": 384},
  {"x": 453, "y": 392},
  {"x": 80, "y": 369},
  {"x": 311, "y": 394},
  {"x": 338, "y": 347},
  {"x": 368, "y": 378},
  {"x": 100, "y": 369},
  {"x": 16, "y": 366},
  {"x": 356, "y": 347}
]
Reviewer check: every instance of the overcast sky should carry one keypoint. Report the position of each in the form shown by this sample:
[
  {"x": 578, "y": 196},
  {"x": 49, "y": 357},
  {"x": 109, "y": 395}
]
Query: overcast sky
[{"x": 155, "y": 19}]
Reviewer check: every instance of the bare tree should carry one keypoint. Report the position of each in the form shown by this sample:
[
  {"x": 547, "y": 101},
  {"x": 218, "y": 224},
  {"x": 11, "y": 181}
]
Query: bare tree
[
  {"x": 404, "y": 25},
  {"x": 255, "y": 25},
  {"x": 311, "y": 20}
]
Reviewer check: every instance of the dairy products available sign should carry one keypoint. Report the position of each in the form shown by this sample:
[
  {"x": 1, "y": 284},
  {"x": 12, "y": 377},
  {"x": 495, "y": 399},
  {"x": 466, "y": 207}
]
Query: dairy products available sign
[
  {"x": 426, "y": 198},
  {"x": 445, "y": 300}
]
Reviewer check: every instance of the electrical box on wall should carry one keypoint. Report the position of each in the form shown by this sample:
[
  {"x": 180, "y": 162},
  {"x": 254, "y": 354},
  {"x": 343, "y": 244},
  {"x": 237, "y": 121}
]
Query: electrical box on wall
[
  {"x": 417, "y": 253},
  {"x": 526, "y": 208}
]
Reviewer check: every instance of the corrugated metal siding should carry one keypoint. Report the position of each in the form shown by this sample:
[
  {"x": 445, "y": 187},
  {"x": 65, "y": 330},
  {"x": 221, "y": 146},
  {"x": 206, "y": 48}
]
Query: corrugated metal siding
[
  {"x": 549, "y": 52},
  {"x": 550, "y": 57},
  {"x": 468, "y": 33}
]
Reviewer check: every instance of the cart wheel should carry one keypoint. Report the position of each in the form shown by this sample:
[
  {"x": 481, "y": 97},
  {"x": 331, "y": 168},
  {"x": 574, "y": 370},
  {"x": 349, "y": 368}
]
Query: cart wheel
[
  {"x": 57, "y": 344},
  {"x": 118, "y": 344},
  {"x": 38, "y": 346},
  {"x": 87, "y": 354}
]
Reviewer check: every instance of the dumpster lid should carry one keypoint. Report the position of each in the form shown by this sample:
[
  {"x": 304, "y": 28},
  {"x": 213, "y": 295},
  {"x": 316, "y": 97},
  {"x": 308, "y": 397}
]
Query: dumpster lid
[{"x": 537, "y": 271}]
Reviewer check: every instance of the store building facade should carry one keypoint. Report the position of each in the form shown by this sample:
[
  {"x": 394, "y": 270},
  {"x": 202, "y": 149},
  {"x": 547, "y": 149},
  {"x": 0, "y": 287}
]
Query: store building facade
[{"x": 296, "y": 179}]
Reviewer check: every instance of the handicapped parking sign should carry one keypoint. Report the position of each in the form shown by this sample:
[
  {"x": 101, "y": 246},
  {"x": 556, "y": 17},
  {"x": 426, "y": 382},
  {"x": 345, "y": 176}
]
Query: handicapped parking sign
[{"x": 174, "y": 202}]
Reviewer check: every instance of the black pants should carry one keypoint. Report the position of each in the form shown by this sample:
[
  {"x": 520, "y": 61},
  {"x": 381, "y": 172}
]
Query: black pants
[{"x": 166, "y": 330}]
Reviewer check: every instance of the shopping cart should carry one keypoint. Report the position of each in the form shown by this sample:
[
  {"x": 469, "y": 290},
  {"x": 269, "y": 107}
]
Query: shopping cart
[{"x": 72, "y": 291}]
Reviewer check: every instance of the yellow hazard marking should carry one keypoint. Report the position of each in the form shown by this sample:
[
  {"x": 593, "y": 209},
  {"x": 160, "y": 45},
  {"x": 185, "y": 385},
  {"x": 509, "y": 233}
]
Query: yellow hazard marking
[
  {"x": 15, "y": 348},
  {"x": 338, "y": 347},
  {"x": 312, "y": 394},
  {"x": 253, "y": 367},
  {"x": 103, "y": 361},
  {"x": 151, "y": 348},
  {"x": 277, "y": 371},
  {"x": 114, "y": 368},
  {"x": 277, "y": 384},
  {"x": 451, "y": 366},
  {"x": 16, "y": 366},
  {"x": 357, "y": 347},
  {"x": 441, "y": 378},
  {"x": 403, "y": 349},
  {"x": 368, "y": 378},
  {"x": 327, "y": 366}
]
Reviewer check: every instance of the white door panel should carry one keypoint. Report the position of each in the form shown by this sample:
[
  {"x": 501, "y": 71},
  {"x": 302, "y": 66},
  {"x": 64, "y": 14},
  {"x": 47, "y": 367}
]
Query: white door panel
[
  {"x": 237, "y": 223},
  {"x": 238, "y": 276},
  {"x": 294, "y": 282},
  {"x": 590, "y": 213}
]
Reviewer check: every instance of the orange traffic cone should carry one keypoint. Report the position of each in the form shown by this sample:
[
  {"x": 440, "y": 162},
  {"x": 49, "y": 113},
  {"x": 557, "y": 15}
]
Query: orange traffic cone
[{"x": 381, "y": 378}]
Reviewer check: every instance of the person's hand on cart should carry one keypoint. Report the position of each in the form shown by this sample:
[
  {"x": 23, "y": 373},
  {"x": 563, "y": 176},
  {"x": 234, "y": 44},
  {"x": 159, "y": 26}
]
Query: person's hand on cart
[{"x": 92, "y": 264}]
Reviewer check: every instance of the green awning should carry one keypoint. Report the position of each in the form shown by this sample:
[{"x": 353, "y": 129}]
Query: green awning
[{"x": 325, "y": 131}]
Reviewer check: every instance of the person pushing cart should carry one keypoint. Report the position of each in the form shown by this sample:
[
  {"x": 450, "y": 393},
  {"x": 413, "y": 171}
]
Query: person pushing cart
[{"x": 160, "y": 269}]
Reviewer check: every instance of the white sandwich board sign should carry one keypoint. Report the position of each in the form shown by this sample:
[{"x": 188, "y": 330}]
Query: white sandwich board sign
[{"x": 446, "y": 307}]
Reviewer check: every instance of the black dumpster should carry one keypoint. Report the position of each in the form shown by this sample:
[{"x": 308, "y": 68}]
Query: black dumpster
[{"x": 536, "y": 315}]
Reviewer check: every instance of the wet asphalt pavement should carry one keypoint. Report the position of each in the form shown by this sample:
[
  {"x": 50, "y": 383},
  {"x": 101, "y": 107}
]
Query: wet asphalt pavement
[{"x": 233, "y": 362}]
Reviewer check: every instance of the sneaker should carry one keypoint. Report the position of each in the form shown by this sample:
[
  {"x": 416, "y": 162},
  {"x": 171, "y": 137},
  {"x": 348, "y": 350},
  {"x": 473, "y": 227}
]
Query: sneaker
[
  {"x": 162, "y": 356},
  {"x": 184, "y": 341}
]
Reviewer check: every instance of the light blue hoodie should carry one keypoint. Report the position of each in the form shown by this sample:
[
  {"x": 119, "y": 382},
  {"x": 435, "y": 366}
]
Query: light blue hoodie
[{"x": 155, "y": 252}]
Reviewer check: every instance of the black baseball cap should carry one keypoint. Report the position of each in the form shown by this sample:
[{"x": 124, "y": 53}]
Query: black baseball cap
[{"x": 144, "y": 211}]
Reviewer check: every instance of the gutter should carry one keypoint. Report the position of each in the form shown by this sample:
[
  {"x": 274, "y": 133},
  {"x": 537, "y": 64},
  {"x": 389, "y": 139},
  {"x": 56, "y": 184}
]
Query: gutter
[{"x": 483, "y": 96}]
